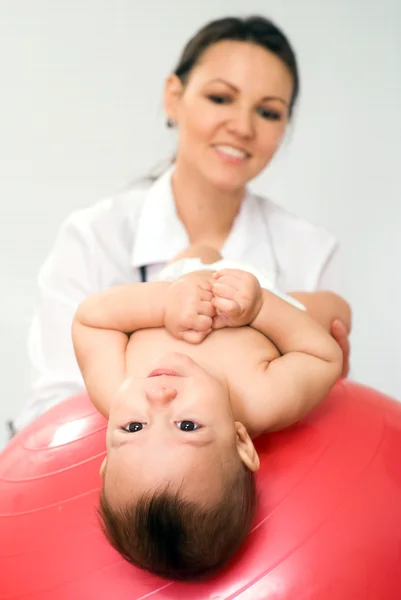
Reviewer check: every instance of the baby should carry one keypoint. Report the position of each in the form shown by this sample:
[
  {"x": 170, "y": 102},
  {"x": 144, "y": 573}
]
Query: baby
[{"x": 187, "y": 373}]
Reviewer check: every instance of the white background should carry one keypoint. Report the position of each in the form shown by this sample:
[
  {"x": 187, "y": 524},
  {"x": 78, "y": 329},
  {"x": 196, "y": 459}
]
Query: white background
[{"x": 81, "y": 117}]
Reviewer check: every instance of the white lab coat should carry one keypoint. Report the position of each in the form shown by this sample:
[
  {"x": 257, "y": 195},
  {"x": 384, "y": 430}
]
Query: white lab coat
[{"x": 106, "y": 244}]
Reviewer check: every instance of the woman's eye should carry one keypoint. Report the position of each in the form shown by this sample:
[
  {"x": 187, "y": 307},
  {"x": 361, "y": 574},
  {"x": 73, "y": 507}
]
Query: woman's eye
[
  {"x": 218, "y": 99},
  {"x": 269, "y": 114},
  {"x": 187, "y": 425},
  {"x": 134, "y": 427}
]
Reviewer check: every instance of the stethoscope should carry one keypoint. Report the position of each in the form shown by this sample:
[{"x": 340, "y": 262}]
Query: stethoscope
[{"x": 143, "y": 271}]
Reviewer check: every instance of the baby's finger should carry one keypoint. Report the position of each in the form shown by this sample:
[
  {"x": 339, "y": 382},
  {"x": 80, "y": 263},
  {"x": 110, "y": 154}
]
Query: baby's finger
[
  {"x": 224, "y": 305},
  {"x": 185, "y": 321},
  {"x": 206, "y": 295},
  {"x": 202, "y": 323},
  {"x": 207, "y": 308},
  {"x": 234, "y": 273},
  {"x": 195, "y": 337},
  {"x": 223, "y": 290},
  {"x": 220, "y": 321}
]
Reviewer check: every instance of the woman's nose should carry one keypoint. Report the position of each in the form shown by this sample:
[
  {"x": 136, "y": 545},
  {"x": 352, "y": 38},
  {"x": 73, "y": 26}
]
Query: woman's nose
[
  {"x": 161, "y": 394},
  {"x": 242, "y": 124}
]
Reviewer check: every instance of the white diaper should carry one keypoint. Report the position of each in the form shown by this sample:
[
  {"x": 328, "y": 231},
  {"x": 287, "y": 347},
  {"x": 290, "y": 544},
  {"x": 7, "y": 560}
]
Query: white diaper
[{"x": 177, "y": 269}]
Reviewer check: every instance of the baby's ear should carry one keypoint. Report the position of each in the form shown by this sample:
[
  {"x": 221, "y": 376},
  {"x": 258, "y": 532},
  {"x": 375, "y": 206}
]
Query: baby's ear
[
  {"x": 245, "y": 448},
  {"x": 103, "y": 467}
]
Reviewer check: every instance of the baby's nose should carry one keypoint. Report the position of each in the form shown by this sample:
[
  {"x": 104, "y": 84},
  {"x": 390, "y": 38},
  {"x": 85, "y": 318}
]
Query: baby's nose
[{"x": 161, "y": 394}]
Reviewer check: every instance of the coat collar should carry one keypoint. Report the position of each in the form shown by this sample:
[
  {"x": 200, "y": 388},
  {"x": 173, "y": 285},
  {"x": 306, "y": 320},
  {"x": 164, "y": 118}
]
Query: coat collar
[{"x": 160, "y": 235}]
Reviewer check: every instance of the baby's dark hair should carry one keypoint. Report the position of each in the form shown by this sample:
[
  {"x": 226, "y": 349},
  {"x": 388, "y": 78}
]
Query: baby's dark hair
[{"x": 176, "y": 538}]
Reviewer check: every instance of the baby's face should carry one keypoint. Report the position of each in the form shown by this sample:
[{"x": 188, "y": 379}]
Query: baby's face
[{"x": 174, "y": 426}]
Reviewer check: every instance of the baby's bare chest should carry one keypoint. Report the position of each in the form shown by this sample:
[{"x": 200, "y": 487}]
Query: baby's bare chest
[
  {"x": 241, "y": 351},
  {"x": 233, "y": 353}
]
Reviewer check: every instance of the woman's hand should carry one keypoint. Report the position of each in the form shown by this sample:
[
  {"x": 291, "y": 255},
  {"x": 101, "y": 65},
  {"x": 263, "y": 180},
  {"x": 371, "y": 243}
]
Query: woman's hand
[
  {"x": 340, "y": 333},
  {"x": 189, "y": 310},
  {"x": 237, "y": 298}
]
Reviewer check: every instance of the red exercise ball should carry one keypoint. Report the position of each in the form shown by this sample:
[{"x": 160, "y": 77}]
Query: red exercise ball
[{"x": 328, "y": 525}]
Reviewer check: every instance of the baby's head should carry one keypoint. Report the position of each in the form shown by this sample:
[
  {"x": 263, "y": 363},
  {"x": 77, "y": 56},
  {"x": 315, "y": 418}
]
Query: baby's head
[{"x": 179, "y": 493}]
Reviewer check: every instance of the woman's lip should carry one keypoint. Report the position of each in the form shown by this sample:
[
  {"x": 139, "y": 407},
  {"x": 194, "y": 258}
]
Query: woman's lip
[{"x": 167, "y": 372}]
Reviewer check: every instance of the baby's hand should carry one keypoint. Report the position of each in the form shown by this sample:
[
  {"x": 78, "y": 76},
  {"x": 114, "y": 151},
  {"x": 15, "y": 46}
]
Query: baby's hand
[
  {"x": 237, "y": 298},
  {"x": 189, "y": 310}
]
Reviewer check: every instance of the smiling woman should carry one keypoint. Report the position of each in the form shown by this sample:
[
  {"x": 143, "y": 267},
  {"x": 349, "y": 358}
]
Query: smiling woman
[
  {"x": 231, "y": 125},
  {"x": 230, "y": 99}
]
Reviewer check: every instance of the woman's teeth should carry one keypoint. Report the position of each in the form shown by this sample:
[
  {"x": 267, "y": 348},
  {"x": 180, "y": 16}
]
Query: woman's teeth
[{"x": 230, "y": 151}]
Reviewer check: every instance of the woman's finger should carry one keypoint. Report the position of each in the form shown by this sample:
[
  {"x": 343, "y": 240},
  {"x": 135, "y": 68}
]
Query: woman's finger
[{"x": 340, "y": 334}]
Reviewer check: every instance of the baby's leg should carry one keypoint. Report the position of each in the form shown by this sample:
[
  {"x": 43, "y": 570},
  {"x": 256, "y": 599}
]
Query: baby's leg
[{"x": 206, "y": 254}]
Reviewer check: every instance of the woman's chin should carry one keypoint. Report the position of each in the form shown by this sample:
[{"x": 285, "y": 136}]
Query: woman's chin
[{"x": 227, "y": 182}]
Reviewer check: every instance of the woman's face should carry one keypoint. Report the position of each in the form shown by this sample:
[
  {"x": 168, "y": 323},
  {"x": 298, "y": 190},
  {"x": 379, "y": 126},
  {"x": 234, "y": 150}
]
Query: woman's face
[{"x": 231, "y": 114}]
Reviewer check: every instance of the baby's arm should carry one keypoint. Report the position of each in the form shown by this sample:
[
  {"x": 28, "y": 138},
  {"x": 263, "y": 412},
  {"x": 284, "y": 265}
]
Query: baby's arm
[
  {"x": 294, "y": 383},
  {"x": 325, "y": 307},
  {"x": 308, "y": 368},
  {"x": 334, "y": 314},
  {"x": 100, "y": 333}
]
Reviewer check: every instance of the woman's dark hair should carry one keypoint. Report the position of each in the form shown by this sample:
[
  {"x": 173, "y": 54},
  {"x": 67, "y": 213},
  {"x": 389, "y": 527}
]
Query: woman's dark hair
[{"x": 254, "y": 30}]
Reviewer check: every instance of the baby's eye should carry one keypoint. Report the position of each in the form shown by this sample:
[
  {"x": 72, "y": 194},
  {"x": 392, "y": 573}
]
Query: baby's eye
[
  {"x": 187, "y": 425},
  {"x": 134, "y": 427}
]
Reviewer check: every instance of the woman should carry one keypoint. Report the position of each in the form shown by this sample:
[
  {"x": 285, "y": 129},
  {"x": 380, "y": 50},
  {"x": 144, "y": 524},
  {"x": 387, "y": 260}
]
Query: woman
[{"x": 230, "y": 98}]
